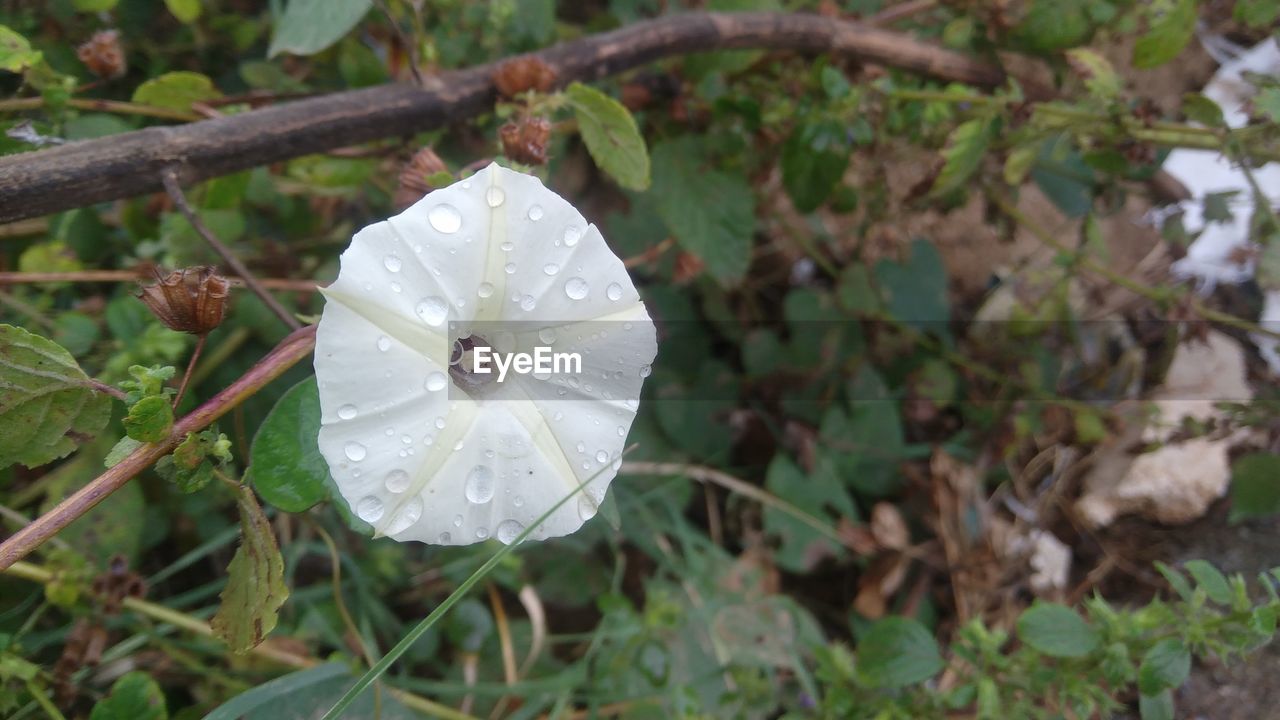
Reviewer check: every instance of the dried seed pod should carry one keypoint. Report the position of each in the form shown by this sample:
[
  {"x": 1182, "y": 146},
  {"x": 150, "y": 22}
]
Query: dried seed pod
[
  {"x": 525, "y": 141},
  {"x": 413, "y": 177},
  {"x": 523, "y": 73},
  {"x": 103, "y": 55},
  {"x": 191, "y": 300}
]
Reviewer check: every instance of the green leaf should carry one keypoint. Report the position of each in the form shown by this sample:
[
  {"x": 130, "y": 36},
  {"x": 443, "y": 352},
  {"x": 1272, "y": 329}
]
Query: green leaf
[
  {"x": 915, "y": 291},
  {"x": 309, "y": 26},
  {"x": 1257, "y": 13},
  {"x": 121, "y": 450},
  {"x": 1164, "y": 667},
  {"x": 285, "y": 463},
  {"x": 710, "y": 212},
  {"x": 1201, "y": 109},
  {"x": 1168, "y": 35},
  {"x": 176, "y": 90},
  {"x": 1267, "y": 101},
  {"x": 963, "y": 154},
  {"x": 15, "y": 52},
  {"x": 1156, "y": 707},
  {"x": 898, "y": 651},
  {"x": 1209, "y": 579},
  {"x": 296, "y": 687},
  {"x": 135, "y": 696},
  {"x": 87, "y": 6},
  {"x": 187, "y": 11},
  {"x": 149, "y": 420},
  {"x": 1099, "y": 77},
  {"x": 1255, "y": 486},
  {"x": 1052, "y": 25},
  {"x": 611, "y": 136},
  {"x": 1057, "y": 631},
  {"x": 255, "y": 586},
  {"x": 1176, "y": 580},
  {"x": 46, "y": 405},
  {"x": 1019, "y": 163},
  {"x": 801, "y": 545},
  {"x": 814, "y": 159}
]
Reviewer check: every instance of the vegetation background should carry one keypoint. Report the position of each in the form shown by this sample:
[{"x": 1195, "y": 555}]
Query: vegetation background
[{"x": 907, "y": 328}]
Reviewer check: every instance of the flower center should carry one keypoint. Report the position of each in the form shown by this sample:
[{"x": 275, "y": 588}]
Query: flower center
[{"x": 462, "y": 366}]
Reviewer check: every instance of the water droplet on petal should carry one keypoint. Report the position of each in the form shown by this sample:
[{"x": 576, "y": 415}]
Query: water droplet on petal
[
  {"x": 391, "y": 263},
  {"x": 535, "y": 213},
  {"x": 457, "y": 521},
  {"x": 495, "y": 196},
  {"x": 582, "y": 447},
  {"x": 482, "y": 532},
  {"x": 507, "y": 246},
  {"x": 602, "y": 457},
  {"x": 551, "y": 268},
  {"x": 614, "y": 291},
  {"x": 645, "y": 371},
  {"x": 547, "y": 335},
  {"x": 586, "y": 507},
  {"x": 436, "y": 381},
  {"x": 369, "y": 509},
  {"x": 395, "y": 287},
  {"x": 445, "y": 218},
  {"x": 485, "y": 290},
  {"x": 347, "y": 412},
  {"x": 622, "y": 432},
  {"x": 576, "y": 288},
  {"x": 439, "y": 423},
  {"x": 433, "y": 310},
  {"x": 508, "y": 531},
  {"x": 354, "y": 451},
  {"x": 510, "y": 268},
  {"x": 445, "y": 538},
  {"x": 384, "y": 343},
  {"x": 479, "y": 486},
  {"x": 571, "y": 235},
  {"x": 407, "y": 516},
  {"x": 528, "y": 303},
  {"x": 397, "y": 481},
  {"x": 518, "y": 501}
]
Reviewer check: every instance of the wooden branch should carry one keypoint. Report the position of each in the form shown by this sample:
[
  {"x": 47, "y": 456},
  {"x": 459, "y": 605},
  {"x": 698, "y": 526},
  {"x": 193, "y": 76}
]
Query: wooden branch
[{"x": 129, "y": 164}]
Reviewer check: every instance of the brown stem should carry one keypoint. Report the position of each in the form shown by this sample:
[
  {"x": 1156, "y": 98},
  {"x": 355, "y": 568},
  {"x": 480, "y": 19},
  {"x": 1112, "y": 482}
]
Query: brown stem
[
  {"x": 102, "y": 387},
  {"x": 191, "y": 366},
  {"x": 170, "y": 179},
  {"x": 290, "y": 350},
  {"x": 111, "y": 106},
  {"x": 129, "y": 164}
]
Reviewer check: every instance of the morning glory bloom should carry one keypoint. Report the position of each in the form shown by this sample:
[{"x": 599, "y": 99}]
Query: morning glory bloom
[{"x": 480, "y": 356}]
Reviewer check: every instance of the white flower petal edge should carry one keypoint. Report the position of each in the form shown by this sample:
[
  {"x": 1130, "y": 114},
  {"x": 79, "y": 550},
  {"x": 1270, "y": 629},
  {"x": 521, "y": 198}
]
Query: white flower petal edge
[{"x": 411, "y": 452}]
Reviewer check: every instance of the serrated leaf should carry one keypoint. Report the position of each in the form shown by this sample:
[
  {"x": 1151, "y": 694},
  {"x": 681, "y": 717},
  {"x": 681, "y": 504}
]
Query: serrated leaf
[
  {"x": 255, "y": 584},
  {"x": 149, "y": 419},
  {"x": 1100, "y": 78},
  {"x": 710, "y": 212},
  {"x": 1164, "y": 667},
  {"x": 15, "y": 51},
  {"x": 611, "y": 136},
  {"x": 46, "y": 405},
  {"x": 963, "y": 154},
  {"x": 1176, "y": 580},
  {"x": 176, "y": 90},
  {"x": 814, "y": 159},
  {"x": 898, "y": 651},
  {"x": 187, "y": 11},
  {"x": 135, "y": 696},
  {"x": 1052, "y": 25},
  {"x": 308, "y": 26},
  {"x": 915, "y": 291},
  {"x": 285, "y": 463},
  {"x": 1168, "y": 35},
  {"x": 801, "y": 546},
  {"x": 1057, "y": 631},
  {"x": 1210, "y": 579}
]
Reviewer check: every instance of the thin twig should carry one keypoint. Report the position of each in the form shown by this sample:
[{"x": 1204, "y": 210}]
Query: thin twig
[
  {"x": 411, "y": 48},
  {"x": 111, "y": 106},
  {"x": 191, "y": 366},
  {"x": 290, "y": 350},
  {"x": 170, "y": 179}
]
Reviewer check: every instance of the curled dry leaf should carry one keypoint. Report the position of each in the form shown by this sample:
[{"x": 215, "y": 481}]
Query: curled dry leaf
[
  {"x": 415, "y": 177},
  {"x": 888, "y": 527},
  {"x": 1176, "y": 482},
  {"x": 525, "y": 141},
  {"x": 192, "y": 300},
  {"x": 103, "y": 55},
  {"x": 425, "y": 446},
  {"x": 523, "y": 74}
]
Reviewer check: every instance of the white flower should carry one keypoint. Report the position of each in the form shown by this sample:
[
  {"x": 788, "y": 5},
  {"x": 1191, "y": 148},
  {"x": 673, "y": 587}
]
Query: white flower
[{"x": 429, "y": 451}]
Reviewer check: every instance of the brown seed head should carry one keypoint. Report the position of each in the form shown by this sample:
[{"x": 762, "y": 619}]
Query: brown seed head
[
  {"x": 191, "y": 300},
  {"x": 525, "y": 141},
  {"x": 413, "y": 177},
  {"x": 523, "y": 73},
  {"x": 103, "y": 55}
]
